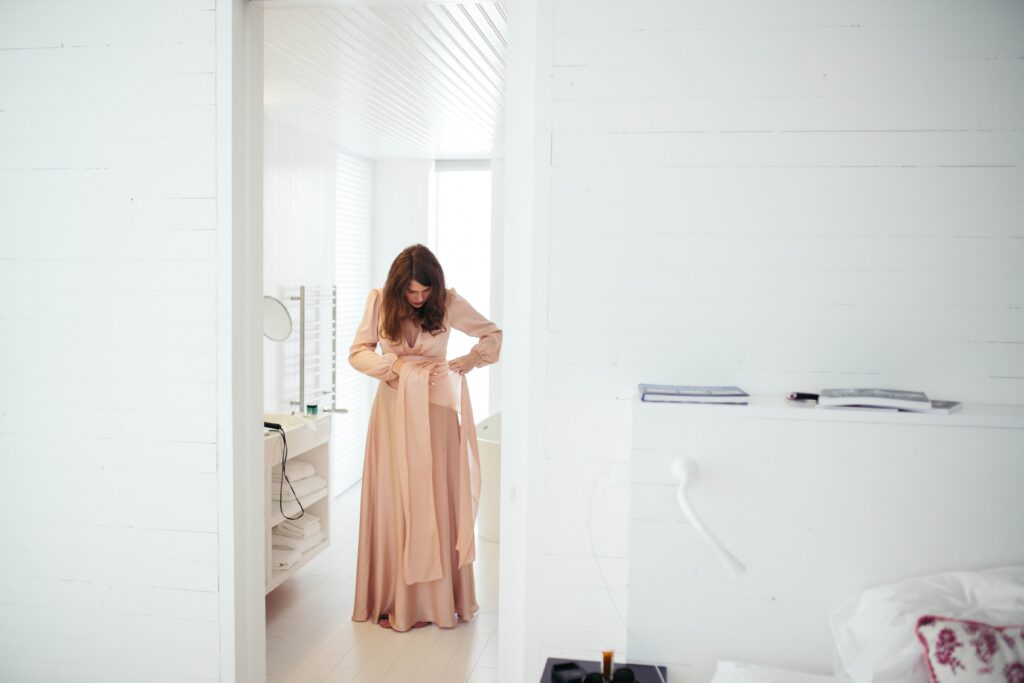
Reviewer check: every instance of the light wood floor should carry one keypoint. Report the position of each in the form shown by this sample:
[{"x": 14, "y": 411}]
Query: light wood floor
[{"x": 311, "y": 637}]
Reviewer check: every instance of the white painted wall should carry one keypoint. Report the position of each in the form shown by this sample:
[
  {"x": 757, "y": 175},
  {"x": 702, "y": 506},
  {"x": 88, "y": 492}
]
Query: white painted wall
[
  {"x": 524, "y": 312},
  {"x": 783, "y": 197},
  {"x": 109, "y": 214},
  {"x": 300, "y": 212},
  {"x": 497, "y": 268},
  {"x": 240, "y": 477},
  {"x": 402, "y": 209},
  {"x": 353, "y": 239}
]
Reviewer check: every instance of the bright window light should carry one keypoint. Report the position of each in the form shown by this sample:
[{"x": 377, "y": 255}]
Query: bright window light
[{"x": 462, "y": 242}]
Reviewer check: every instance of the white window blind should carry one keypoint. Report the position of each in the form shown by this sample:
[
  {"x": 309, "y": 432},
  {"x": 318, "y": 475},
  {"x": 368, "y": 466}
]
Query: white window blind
[{"x": 352, "y": 274}]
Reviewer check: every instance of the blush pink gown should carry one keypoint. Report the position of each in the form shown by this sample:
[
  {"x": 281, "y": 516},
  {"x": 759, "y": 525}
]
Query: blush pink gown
[{"x": 421, "y": 477}]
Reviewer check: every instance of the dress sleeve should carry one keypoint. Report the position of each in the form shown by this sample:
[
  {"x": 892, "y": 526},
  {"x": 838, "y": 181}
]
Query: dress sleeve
[
  {"x": 465, "y": 318},
  {"x": 362, "y": 355}
]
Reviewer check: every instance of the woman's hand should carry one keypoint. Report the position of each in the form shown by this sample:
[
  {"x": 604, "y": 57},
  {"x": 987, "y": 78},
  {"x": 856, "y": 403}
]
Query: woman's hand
[{"x": 464, "y": 364}]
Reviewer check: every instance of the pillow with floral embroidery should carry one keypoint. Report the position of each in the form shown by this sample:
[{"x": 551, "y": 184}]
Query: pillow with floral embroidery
[
  {"x": 961, "y": 650},
  {"x": 874, "y": 630}
]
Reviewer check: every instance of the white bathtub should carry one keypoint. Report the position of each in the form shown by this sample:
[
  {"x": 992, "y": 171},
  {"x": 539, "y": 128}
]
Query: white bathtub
[{"x": 488, "y": 520}]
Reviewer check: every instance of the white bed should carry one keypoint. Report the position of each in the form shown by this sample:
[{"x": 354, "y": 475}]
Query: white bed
[
  {"x": 875, "y": 631},
  {"x": 819, "y": 508}
]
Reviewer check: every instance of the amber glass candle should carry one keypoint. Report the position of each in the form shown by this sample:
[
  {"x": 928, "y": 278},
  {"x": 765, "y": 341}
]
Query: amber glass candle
[{"x": 606, "y": 663}]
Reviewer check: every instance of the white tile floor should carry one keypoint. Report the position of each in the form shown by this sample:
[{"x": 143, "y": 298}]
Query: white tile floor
[{"x": 311, "y": 637}]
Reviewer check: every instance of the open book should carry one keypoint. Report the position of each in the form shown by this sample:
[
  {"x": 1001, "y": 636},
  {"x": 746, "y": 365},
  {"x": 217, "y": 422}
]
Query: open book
[{"x": 671, "y": 393}]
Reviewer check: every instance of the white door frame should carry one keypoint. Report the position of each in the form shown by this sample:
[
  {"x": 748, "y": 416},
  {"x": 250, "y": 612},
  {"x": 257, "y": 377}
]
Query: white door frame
[
  {"x": 240, "y": 351},
  {"x": 527, "y": 179},
  {"x": 241, "y": 525}
]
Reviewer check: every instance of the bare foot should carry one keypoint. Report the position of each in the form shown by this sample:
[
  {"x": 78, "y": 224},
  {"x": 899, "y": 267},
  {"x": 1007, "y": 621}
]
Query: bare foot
[{"x": 384, "y": 621}]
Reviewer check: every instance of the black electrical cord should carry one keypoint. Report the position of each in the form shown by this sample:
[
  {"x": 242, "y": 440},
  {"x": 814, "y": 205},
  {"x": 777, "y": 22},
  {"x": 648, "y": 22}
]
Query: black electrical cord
[{"x": 274, "y": 427}]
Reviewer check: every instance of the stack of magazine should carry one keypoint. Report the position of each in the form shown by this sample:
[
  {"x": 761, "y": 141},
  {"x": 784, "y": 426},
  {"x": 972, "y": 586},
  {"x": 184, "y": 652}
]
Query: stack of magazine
[
  {"x": 884, "y": 399},
  {"x": 670, "y": 393}
]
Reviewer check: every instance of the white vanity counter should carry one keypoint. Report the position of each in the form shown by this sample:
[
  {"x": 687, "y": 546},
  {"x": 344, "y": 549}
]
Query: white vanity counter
[{"x": 308, "y": 440}]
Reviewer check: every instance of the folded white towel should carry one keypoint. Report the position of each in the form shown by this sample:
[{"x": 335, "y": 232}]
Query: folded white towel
[
  {"x": 307, "y": 520},
  {"x": 281, "y": 530},
  {"x": 302, "y": 487},
  {"x": 306, "y": 525},
  {"x": 283, "y": 559},
  {"x": 299, "y": 544},
  {"x": 296, "y": 469}
]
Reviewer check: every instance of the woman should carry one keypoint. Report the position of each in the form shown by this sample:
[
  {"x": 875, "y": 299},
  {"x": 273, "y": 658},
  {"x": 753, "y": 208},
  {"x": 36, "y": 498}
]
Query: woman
[{"x": 421, "y": 478}]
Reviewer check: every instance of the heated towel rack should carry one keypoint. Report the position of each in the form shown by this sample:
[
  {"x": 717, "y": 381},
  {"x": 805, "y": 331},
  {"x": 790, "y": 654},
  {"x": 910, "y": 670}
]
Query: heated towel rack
[{"x": 318, "y": 348}]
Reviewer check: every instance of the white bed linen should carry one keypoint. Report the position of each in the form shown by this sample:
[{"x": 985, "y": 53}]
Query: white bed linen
[
  {"x": 874, "y": 631},
  {"x": 738, "y": 672}
]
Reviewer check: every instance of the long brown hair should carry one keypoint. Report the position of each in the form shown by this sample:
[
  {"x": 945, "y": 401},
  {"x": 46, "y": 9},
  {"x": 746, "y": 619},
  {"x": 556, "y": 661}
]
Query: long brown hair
[{"x": 419, "y": 264}]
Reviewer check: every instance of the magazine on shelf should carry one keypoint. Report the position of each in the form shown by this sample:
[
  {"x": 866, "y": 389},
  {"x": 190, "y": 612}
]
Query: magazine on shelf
[
  {"x": 671, "y": 393},
  {"x": 875, "y": 398}
]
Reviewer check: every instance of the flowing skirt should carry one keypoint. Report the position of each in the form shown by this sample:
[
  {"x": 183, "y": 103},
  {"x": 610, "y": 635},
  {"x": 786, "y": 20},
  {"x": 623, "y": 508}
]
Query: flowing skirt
[{"x": 380, "y": 588}]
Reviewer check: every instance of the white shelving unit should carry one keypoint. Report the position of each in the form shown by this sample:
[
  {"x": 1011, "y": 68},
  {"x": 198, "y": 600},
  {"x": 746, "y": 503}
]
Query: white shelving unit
[{"x": 313, "y": 446}]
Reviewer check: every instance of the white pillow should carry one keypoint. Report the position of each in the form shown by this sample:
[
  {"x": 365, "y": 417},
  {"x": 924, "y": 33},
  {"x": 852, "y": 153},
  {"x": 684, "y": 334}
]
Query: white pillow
[
  {"x": 874, "y": 632},
  {"x": 735, "y": 672}
]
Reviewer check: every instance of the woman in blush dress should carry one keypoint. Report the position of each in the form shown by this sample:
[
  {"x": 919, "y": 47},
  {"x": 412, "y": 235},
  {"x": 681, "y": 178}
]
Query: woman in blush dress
[{"x": 421, "y": 478}]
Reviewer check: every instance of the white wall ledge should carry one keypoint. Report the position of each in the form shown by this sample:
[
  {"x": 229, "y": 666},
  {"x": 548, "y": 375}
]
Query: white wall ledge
[{"x": 767, "y": 407}]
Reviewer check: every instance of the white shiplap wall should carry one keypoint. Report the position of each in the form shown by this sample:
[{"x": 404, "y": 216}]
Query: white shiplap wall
[
  {"x": 403, "y": 200},
  {"x": 109, "y": 377},
  {"x": 299, "y": 232},
  {"x": 785, "y": 196},
  {"x": 353, "y": 233}
]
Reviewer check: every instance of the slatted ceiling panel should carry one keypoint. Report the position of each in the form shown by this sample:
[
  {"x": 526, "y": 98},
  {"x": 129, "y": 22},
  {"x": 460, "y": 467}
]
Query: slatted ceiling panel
[
  {"x": 357, "y": 89},
  {"x": 442, "y": 96},
  {"x": 481, "y": 32},
  {"x": 454, "y": 46},
  {"x": 407, "y": 79},
  {"x": 314, "y": 107},
  {"x": 402, "y": 81}
]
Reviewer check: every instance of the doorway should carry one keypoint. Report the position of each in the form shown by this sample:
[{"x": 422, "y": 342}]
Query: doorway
[{"x": 388, "y": 100}]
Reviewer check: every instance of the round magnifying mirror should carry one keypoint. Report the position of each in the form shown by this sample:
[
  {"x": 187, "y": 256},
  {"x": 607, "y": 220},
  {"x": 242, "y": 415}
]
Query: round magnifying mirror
[{"x": 277, "y": 321}]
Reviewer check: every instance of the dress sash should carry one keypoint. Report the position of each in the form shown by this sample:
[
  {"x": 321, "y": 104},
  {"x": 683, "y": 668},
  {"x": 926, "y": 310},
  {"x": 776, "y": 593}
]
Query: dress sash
[{"x": 421, "y": 552}]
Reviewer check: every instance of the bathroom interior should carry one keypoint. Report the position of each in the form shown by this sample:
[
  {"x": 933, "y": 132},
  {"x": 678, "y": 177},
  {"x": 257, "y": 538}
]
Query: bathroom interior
[{"x": 383, "y": 127}]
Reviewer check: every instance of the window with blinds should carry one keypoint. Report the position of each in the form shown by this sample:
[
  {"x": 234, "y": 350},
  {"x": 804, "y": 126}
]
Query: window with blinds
[
  {"x": 352, "y": 276},
  {"x": 462, "y": 242}
]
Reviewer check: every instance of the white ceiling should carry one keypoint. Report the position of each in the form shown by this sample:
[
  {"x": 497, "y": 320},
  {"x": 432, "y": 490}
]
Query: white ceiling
[{"x": 417, "y": 81}]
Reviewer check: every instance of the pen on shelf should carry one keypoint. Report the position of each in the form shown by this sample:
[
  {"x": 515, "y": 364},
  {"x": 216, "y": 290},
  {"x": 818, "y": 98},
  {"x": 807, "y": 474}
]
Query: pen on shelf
[{"x": 802, "y": 396}]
